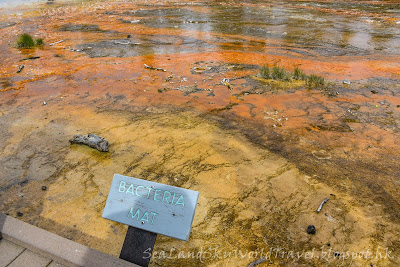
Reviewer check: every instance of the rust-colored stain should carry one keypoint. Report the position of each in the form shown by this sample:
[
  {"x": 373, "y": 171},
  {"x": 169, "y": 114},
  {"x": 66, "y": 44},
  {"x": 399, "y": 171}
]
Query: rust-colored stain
[{"x": 262, "y": 153}]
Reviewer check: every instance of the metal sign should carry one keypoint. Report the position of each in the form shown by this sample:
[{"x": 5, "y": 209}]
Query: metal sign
[{"x": 154, "y": 207}]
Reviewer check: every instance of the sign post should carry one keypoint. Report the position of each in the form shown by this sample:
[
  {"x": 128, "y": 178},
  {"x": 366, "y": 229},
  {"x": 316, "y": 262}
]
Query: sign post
[
  {"x": 136, "y": 242},
  {"x": 149, "y": 209}
]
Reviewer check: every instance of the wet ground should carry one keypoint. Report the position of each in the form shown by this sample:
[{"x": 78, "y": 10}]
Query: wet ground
[{"x": 262, "y": 153}]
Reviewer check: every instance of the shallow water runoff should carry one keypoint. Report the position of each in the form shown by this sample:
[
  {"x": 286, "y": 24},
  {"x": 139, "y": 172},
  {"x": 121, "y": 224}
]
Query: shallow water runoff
[{"x": 266, "y": 108}]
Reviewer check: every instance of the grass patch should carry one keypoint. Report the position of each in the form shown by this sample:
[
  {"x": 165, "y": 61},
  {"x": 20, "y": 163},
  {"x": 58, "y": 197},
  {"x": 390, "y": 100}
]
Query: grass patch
[
  {"x": 26, "y": 41},
  {"x": 39, "y": 42},
  {"x": 315, "y": 81},
  {"x": 278, "y": 73},
  {"x": 265, "y": 73},
  {"x": 298, "y": 74}
]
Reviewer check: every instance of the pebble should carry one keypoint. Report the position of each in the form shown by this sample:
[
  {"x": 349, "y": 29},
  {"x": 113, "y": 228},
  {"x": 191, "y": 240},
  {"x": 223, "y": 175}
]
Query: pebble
[
  {"x": 311, "y": 229},
  {"x": 384, "y": 102},
  {"x": 19, "y": 214},
  {"x": 22, "y": 183},
  {"x": 321, "y": 154},
  {"x": 346, "y": 81},
  {"x": 44, "y": 188}
]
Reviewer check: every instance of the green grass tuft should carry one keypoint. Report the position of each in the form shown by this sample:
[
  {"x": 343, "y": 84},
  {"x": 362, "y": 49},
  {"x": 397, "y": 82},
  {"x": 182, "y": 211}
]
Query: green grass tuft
[
  {"x": 265, "y": 73},
  {"x": 39, "y": 42},
  {"x": 25, "y": 41},
  {"x": 279, "y": 73},
  {"x": 298, "y": 74},
  {"x": 315, "y": 81}
]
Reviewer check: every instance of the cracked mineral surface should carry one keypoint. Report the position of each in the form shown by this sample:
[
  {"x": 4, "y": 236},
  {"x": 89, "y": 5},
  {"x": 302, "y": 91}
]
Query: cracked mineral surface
[{"x": 263, "y": 153}]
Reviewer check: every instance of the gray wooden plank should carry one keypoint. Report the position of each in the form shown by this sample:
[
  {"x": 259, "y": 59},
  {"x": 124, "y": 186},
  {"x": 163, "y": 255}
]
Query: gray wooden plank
[
  {"x": 55, "y": 247},
  {"x": 56, "y": 264},
  {"x": 8, "y": 252},
  {"x": 31, "y": 259}
]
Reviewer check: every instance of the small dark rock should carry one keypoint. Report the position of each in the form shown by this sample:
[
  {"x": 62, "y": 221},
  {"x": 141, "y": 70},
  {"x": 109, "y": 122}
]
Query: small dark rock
[
  {"x": 19, "y": 214},
  {"x": 329, "y": 244},
  {"x": 336, "y": 254},
  {"x": 374, "y": 91},
  {"x": 129, "y": 36},
  {"x": 44, "y": 188},
  {"x": 398, "y": 106},
  {"x": 311, "y": 230},
  {"x": 24, "y": 182}
]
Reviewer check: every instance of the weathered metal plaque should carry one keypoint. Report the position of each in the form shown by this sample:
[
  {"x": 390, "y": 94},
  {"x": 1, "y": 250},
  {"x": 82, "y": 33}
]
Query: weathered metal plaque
[{"x": 154, "y": 207}]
